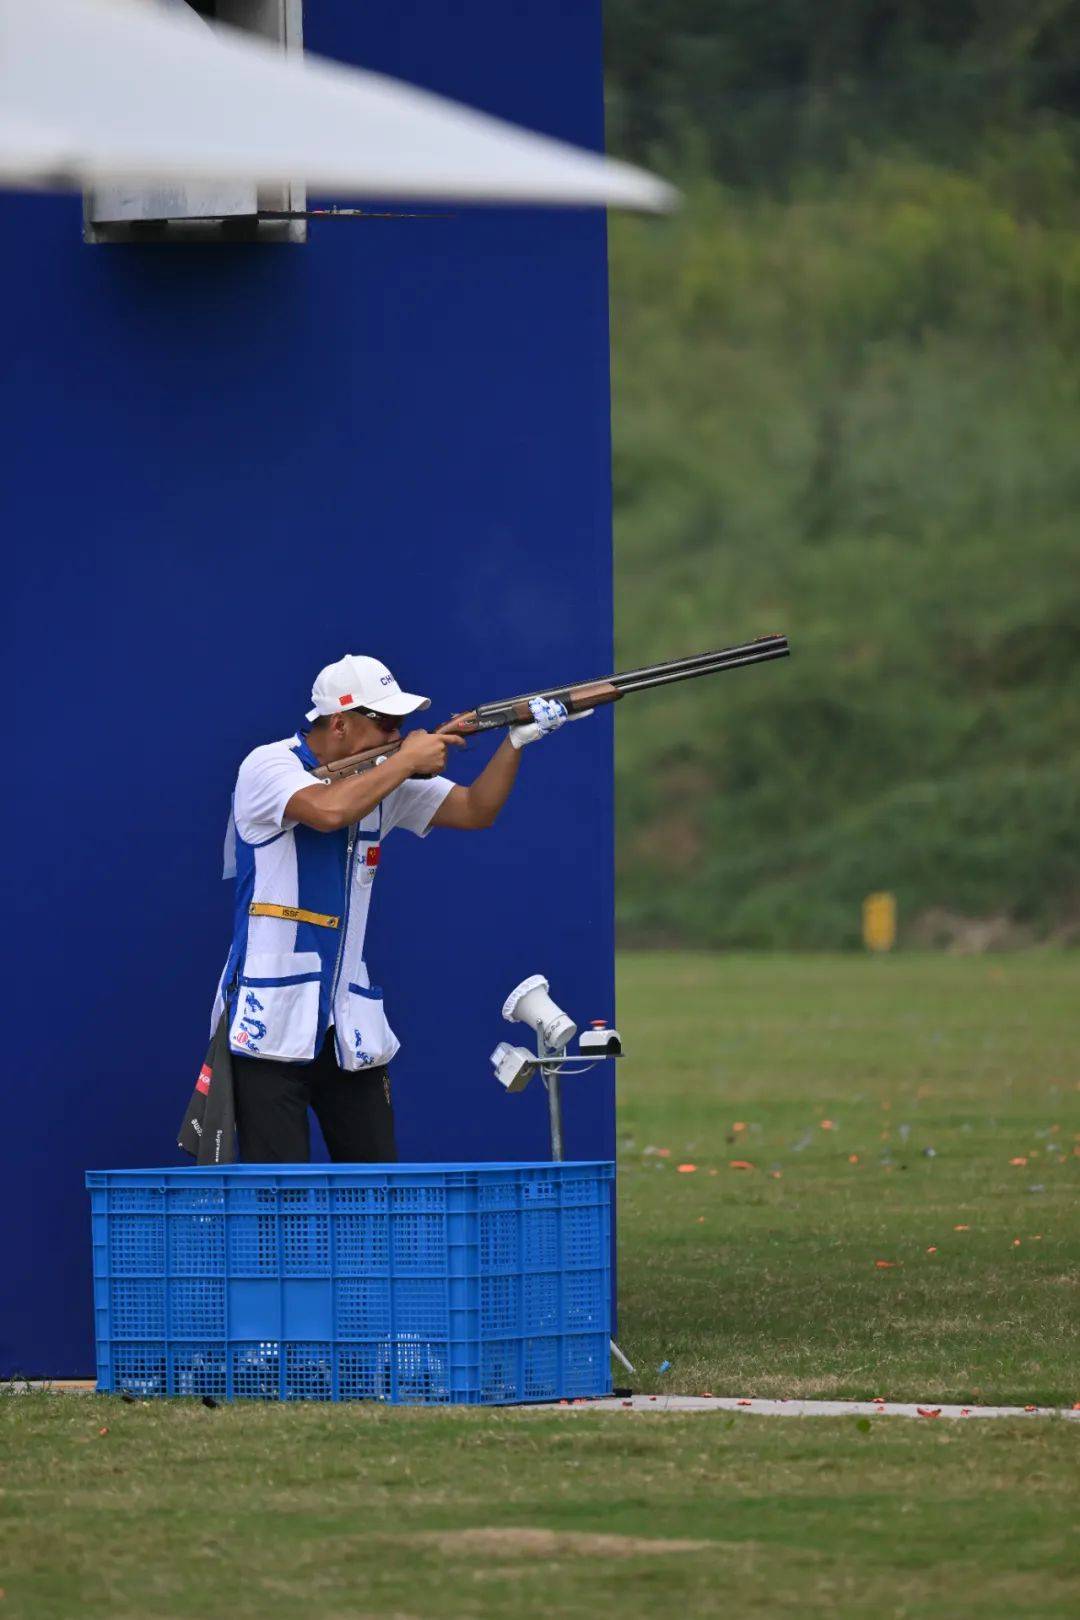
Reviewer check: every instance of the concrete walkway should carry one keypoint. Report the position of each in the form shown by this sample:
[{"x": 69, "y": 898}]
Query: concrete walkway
[
  {"x": 55, "y": 1386},
  {"x": 702, "y": 1403},
  {"x": 731, "y": 1403}
]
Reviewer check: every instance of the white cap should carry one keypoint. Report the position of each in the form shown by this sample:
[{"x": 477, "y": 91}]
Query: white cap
[{"x": 356, "y": 682}]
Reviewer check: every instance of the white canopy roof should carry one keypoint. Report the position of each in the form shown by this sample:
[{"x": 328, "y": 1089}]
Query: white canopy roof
[{"x": 96, "y": 91}]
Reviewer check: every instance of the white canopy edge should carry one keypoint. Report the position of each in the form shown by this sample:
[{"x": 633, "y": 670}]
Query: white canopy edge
[{"x": 96, "y": 91}]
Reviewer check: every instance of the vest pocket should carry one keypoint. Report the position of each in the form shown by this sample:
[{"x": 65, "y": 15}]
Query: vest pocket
[
  {"x": 277, "y": 1006},
  {"x": 365, "y": 1038}
]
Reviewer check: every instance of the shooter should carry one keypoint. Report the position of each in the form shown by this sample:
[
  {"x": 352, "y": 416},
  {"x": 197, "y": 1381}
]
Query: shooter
[{"x": 306, "y": 1026}]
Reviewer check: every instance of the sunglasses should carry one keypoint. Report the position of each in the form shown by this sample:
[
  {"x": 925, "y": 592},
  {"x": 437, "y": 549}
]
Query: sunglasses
[{"x": 385, "y": 722}]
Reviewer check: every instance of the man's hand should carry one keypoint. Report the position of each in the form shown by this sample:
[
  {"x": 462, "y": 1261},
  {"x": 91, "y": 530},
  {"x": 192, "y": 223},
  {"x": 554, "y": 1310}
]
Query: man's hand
[
  {"x": 425, "y": 751},
  {"x": 548, "y": 714}
]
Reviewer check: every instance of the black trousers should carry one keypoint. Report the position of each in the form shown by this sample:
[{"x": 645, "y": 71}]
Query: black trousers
[{"x": 272, "y": 1101}]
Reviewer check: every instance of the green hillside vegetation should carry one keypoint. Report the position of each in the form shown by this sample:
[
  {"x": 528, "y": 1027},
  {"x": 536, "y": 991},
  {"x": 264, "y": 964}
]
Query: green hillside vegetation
[{"x": 847, "y": 406}]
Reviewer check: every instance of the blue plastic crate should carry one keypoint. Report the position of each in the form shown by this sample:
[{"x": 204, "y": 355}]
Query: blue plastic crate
[{"x": 478, "y": 1284}]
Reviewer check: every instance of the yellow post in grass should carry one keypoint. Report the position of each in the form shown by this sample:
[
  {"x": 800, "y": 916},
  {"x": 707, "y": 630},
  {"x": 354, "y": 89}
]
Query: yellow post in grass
[{"x": 879, "y": 921}]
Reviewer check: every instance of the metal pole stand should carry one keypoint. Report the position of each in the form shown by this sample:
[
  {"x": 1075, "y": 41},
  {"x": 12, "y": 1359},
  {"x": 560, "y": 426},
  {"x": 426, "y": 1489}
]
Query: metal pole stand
[{"x": 550, "y": 1073}]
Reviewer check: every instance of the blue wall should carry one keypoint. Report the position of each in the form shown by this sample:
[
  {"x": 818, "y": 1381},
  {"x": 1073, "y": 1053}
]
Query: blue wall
[{"x": 225, "y": 467}]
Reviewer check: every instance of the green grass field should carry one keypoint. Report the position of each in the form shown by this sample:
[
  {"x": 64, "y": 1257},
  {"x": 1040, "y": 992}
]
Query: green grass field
[
  {"x": 845, "y": 1074},
  {"x": 761, "y": 1280}
]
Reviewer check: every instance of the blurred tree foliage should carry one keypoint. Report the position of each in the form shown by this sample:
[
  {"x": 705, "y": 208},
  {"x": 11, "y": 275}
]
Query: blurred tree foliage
[
  {"x": 847, "y": 405},
  {"x": 761, "y": 88}
]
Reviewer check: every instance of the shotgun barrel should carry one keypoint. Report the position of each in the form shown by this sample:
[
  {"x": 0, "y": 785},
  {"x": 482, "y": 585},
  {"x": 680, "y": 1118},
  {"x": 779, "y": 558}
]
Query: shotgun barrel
[
  {"x": 609, "y": 688},
  {"x": 675, "y": 669}
]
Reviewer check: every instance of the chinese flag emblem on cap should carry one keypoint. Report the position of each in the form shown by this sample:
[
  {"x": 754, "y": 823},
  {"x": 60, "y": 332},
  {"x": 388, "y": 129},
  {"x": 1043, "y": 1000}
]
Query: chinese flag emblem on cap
[{"x": 345, "y": 699}]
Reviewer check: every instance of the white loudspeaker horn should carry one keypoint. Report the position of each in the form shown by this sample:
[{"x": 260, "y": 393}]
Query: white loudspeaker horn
[{"x": 530, "y": 1004}]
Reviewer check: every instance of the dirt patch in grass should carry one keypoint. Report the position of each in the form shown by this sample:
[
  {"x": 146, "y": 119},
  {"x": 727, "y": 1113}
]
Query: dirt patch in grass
[{"x": 524, "y": 1542}]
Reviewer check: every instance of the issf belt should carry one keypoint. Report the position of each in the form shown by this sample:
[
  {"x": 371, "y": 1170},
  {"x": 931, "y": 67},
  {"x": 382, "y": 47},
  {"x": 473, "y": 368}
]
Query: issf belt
[{"x": 263, "y": 908}]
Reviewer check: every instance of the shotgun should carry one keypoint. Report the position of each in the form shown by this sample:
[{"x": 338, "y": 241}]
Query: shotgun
[{"x": 586, "y": 695}]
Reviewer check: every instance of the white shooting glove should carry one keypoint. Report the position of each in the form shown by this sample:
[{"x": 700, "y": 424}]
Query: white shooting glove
[{"x": 548, "y": 714}]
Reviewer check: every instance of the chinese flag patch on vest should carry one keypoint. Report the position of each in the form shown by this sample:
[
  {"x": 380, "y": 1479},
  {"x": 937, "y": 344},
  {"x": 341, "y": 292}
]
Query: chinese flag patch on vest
[{"x": 372, "y": 856}]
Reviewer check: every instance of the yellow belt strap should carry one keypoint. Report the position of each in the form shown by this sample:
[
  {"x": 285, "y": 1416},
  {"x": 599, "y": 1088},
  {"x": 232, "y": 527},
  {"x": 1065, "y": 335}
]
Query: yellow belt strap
[{"x": 262, "y": 908}]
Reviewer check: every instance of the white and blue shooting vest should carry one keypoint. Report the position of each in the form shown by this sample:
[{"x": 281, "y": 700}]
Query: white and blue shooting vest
[{"x": 296, "y": 964}]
